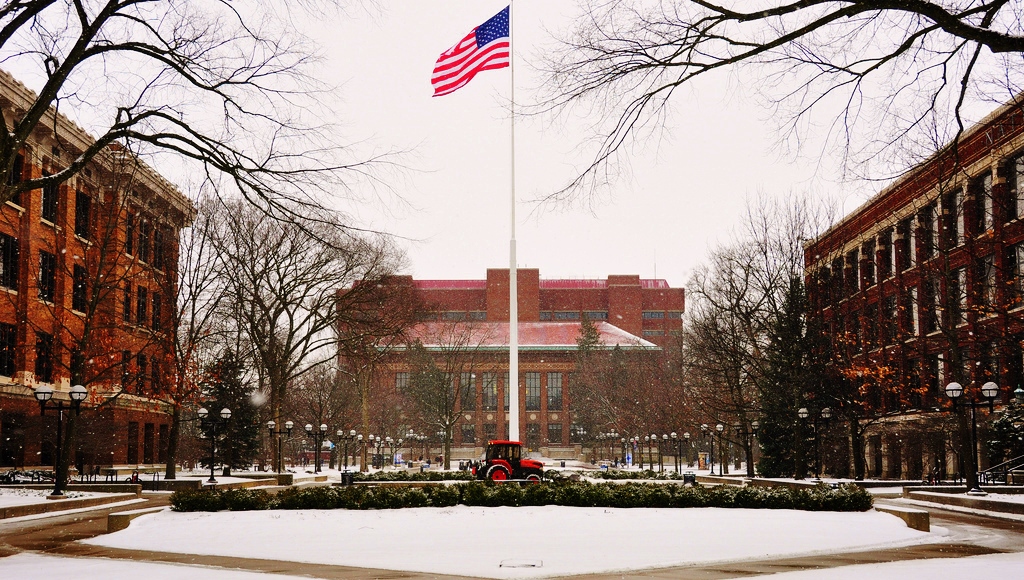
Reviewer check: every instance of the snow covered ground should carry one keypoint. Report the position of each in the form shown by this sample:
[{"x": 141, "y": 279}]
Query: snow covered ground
[
  {"x": 10, "y": 497},
  {"x": 39, "y": 566},
  {"x": 495, "y": 542},
  {"x": 992, "y": 566}
]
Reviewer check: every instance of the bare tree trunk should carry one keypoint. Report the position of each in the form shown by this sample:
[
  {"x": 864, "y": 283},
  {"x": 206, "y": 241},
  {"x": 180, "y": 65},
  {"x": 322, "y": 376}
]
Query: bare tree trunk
[{"x": 170, "y": 470}]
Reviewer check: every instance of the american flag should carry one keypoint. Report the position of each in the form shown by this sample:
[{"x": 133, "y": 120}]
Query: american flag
[{"x": 486, "y": 47}]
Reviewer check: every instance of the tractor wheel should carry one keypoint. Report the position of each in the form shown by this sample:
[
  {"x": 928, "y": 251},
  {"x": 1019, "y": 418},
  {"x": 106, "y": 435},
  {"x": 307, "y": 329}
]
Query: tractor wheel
[
  {"x": 533, "y": 478},
  {"x": 497, "y": 473}
]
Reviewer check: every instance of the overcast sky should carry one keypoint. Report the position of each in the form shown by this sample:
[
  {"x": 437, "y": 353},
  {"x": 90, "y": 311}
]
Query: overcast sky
[{"x": 685, "y": 191}]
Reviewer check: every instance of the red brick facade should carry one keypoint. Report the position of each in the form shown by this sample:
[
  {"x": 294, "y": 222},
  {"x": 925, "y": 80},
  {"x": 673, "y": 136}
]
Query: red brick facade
[
  {"x": 928, "y": 274},
  {"x": 87, "y": 289},
  {"x": 627, "y": 311}
]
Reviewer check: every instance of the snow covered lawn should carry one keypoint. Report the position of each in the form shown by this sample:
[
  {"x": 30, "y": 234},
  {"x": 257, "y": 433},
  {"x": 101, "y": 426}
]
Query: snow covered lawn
[
  {"x": 475, "y": 541},
  {"x": 10, "y": 497}
]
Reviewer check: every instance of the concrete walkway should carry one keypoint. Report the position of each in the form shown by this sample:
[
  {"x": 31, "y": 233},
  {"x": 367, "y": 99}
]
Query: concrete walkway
[{"x": 970, "y": 535}]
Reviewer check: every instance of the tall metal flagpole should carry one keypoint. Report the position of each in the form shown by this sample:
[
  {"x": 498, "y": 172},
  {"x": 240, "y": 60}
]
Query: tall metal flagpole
[{"x": 513, "y": 277}]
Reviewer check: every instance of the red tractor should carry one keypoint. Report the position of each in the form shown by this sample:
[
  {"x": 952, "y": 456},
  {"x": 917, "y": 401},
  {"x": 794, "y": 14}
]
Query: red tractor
[{"x": 504, "y": 461}]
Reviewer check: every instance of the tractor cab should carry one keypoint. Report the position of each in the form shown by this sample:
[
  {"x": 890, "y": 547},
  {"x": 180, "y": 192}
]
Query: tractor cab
[{"x": 504, "y": 460}]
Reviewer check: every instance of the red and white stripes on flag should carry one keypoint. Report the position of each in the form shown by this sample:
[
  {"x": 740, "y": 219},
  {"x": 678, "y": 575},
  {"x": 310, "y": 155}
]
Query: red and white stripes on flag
[{"x": 486, "y": 47}]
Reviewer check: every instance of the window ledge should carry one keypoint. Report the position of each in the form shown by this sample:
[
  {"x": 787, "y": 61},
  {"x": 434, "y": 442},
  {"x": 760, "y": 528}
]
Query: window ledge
[{"x": 21, "y": 210}]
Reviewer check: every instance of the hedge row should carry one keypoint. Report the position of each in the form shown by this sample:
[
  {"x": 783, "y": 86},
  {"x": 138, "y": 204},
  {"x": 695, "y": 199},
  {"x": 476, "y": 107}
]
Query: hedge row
[
  {"x": 577, "y": 494},
  {"x": 413, "y": 476},
  {"x": 619, "y": 474}
]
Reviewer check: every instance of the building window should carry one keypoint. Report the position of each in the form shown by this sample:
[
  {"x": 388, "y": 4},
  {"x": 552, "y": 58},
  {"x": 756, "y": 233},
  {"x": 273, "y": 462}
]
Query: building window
[
  {"x": 982, "y": 190},
  {"x": 490, "y": 431},
  {"x": 930, "y": 306},
  {"x": 477, "y": 315},
  {"x": 127, "y": 304},
  {"x": 143, "y": 242},
  {"x": 986, "y": 276},
  {"x": 654, "y": 333},
  {"x": 868, "y": 272},
  {"x": 555, "y": 433},
  {"x": 50, "y": 193},
  {"x": 910, "y": 312},
  {"x": 83, "y": 215},
  {"x": 468, "y": 434},
  {"x": 836, "y": 281},
  {"x": 148, "y": 431},
  {"x": 870, "y": 326},
  {"x": 929, "y": 231},
  {"x": 597, "y": 315},
  {"x": 8, "y": 262},
  {"x": 47, "y": 276},
  {"x": 490, "y": 392},
  {"x": 545, "y": 315},
  {"x": 936, "y": 375},
  {"x": 140, "y": 374},
  {"x": 567, "y": 316},
  {"x": 140, "y": 305},
  {"x": 958, "y": 296},
  {"x": 554, "y": 391},
  {"x": 852, "y": 272},
  {"x": 8, "y": 342},
  {"x": 133, "y": 442},
  {"x": 159, "y": 250},
  {"x": 157, "y": 307},
  {"x": 905, "y": 245},
  {"x": 885, "y": 255},
  {"x": 953, "y": 217},
  {"x": 80, "y": 289},
  {"x": 1015, "y": 276},
  {"x": 453, "y": 315},
  {"x": 532, "y": 391},
  {"x": 653, "y": 315},
  {"x": 44, "y": 357},
  {"x": 1017, "y": 187},
  {"x": 889, "y": 320},
  {"x": 129, "y": 233},
  {"x": 468, "y": 391},
  {"x": 402, "y": 382}
]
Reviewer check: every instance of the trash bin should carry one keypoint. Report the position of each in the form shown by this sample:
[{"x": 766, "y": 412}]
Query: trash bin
[
  {"x": 689, "y": 478},
  {"x": 346, "y": 478},
  {"x": 563, "y": 464}
]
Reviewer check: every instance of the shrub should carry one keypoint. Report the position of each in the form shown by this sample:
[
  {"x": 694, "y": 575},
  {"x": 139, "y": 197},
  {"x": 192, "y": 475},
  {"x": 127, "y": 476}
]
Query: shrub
[
  {"x": 569, "y": 493},
  {"x": 240, "y": 500},
  {"x": 196, "y": 500}
]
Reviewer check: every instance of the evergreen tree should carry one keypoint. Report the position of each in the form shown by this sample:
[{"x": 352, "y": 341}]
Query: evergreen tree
[
  {"x": 1006, "y": 435},
  {"x": 224, "y": 387},
  {"x": 794, "y": 376}
]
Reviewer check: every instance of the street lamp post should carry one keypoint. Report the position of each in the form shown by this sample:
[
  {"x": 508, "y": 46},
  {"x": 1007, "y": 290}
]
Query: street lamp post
[
  {"x": 211, "y": 423},
  {"x": 721, "y": 456},
  {"x": 989, "y": 391},
  {"x": 689, "y": 448},
  {"x": 288, "y": 425},
  {"x": 347, "y": 438},
  {"x": 679, "y": 448},
  {"x": 705, "y": 432},
  {"x": 77, "y": 394},
  {"x": 661, "y": 451},
  {"x": 826, "y": 415},
  {"x": 318, "y": 437}
]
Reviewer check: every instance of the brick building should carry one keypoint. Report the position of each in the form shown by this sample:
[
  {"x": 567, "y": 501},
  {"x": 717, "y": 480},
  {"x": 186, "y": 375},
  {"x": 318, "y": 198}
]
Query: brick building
[
  {"x": 87, "y": 275},
  {"x": 926, "y": 279},
  {"x": 628, "y": 312}
]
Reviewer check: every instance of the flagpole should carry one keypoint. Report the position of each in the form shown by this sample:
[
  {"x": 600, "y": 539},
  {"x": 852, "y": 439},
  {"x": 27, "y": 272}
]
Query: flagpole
[{"x": 513, "y": 275}]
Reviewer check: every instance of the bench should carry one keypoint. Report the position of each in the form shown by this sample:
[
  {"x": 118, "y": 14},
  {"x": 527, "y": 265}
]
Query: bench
[
  {"x": 116, "y": 472},
  {"x": 914, "y": 518}
]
